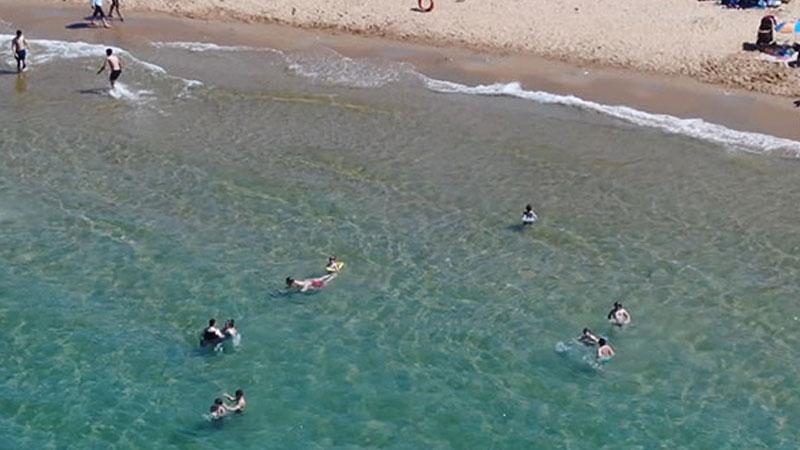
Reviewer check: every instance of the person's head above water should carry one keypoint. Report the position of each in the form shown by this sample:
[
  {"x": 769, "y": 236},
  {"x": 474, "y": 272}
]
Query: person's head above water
[
  {"x": 218, "y": 401},
  {"x": 289, "y": 281},
  {"x": 586, "y": 331},
  {"x": 19, "y": 33},
  {"x": 212, "y": 322},
  {"x": 239, "y": 394},
  {"x": 109, "y": 52},
  {"x": 528, "y": 207},
  {"x": 601, "y": 341},
  {"x": 617, "y": 305},
  {"x": 230, "y": 323}
]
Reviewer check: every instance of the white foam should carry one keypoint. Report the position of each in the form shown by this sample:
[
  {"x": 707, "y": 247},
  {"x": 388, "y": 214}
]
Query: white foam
[
  {"x": 211, "y": 47},
  {"x": 336, "y": 69},
  {"x": 695, "y": 128},
  {"x": 122, "y": 92},
  {"x": 46, "y": 50}
]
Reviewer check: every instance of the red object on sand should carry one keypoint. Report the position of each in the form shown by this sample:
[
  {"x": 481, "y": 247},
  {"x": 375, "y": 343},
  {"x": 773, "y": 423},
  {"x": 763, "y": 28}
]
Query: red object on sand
[{"x": 423, "y": 8}]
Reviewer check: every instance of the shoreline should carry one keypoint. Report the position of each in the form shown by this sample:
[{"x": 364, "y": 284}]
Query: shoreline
[{"x": 677, "y": 96}]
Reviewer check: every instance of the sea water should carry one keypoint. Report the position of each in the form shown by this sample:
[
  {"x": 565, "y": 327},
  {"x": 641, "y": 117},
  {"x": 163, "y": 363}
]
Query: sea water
[{"x": 210, "y": 174}]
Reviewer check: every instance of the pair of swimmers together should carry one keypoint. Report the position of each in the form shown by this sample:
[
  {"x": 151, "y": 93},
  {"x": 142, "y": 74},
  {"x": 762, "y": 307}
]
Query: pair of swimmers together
[
  {"x": 219, "y": 409},
  {"x": 313, "y": 284},
  {"x": 618, "y": 316},
  {"x": 213, "y": 335}
]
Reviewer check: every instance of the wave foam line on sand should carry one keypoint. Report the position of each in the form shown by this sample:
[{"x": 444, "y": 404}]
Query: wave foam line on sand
[
  {"x": 695, "y": 128},
  {"x": 47, "y": 50},
  {"x": 211, "y": 47}
]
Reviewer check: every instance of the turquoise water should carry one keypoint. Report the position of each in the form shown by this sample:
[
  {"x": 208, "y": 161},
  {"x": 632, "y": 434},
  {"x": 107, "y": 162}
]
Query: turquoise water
[{"x": 127, "y": 223}]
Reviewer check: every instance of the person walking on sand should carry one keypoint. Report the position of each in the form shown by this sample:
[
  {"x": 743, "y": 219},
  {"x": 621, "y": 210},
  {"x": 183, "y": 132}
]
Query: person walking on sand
[
  {"x": 19, "y": 47},
  {"x": 115, "y": 6},
  {"x": 114, "y": 65},
  {"x": 97, "y": 5}
]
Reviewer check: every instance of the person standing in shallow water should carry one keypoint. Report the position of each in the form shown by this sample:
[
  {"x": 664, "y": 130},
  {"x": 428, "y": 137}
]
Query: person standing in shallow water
[
  {"x": 529, "y": 215},
  {"x": 604, "y": 350},
  {"x": 240, "y": 402},
  {"x": 19, "y": 47},
  {"x": 618, "y": 315},
  {"x": 114, "y": 65}
]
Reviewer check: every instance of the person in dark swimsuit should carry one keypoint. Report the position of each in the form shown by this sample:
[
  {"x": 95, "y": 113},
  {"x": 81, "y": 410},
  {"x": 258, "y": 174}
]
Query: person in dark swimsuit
[
  {"x": 588, "y": 338},
  {"x": 19, "y": 46},
  {"x": 218, "y": 410},
  {"x": 114, "y": 65},
  {"x": 211, "y": 334}
]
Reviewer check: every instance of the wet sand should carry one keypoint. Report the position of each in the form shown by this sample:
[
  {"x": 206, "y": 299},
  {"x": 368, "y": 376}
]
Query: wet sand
[{"x": 674, "y": 95}]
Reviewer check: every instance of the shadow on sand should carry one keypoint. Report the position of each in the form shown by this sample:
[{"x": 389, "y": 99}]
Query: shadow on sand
[{"x": 78, "y": 26}]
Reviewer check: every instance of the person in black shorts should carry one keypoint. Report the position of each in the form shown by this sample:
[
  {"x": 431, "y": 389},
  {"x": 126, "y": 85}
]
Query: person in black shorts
[
  {"x": 19, "y": 46},
  {"x": 115, "y": 5},
  {"x": 97, "y": 5},
  {"x": 114, "y": 65}
]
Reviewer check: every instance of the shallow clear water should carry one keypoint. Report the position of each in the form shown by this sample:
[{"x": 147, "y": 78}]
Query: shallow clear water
[{"x": 126, "y": 223}]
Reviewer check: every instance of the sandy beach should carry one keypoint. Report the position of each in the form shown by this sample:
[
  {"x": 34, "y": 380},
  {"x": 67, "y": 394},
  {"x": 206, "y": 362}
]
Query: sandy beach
[
  {"x": 674, "y": 94},
  {"x": 686, "y": 37}
]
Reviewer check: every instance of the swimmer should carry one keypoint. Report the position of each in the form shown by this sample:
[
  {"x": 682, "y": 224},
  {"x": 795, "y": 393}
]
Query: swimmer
[
  {"x": 211, "y": 333},
  {"x": 114, "y": 65},
  {"x": 19, "y": 47},
  {"x": 240, "y": 404},
  {"x": 218, "y": 410},
  {"x": 310, "y": 285},
  {"x": 588, "y": 338},
  {"x": 229, "y": 329},
  {"x": 618, "y": 315},
  {"x": 529, "y": 215},
  {"x": 604, "y": 350},
  {"x": 333, "y": 265}
]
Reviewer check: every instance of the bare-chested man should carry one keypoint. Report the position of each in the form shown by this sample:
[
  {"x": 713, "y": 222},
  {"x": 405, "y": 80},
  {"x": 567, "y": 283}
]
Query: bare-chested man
[
  {"x": 19, "y": 47},
  {"x": 114, "y": 65}
]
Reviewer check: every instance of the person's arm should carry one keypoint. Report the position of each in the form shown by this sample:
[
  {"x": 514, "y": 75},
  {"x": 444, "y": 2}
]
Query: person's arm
[
  {"x": 229, "y": 397},
  {"x": 103, "y": 67}
]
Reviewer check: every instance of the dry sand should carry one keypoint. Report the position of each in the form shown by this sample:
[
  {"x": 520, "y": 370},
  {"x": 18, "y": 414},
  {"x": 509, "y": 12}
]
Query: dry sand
[{"x": 686, "y": 37}]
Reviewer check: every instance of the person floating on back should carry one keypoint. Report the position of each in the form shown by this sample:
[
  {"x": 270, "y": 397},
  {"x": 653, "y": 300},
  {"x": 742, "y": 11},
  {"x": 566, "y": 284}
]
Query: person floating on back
[
  {"x": 313, "y": 284},
  {"x": 19, "y": 47},
  {"x": 97, "y": 6},
  {"x": 618, "y": 315},
  {"x": 604, "y": 350},
  {"x": 588, "y": 338},
  {"x": 529, "y": 215},
  {"x": 114, "y": 66}
]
